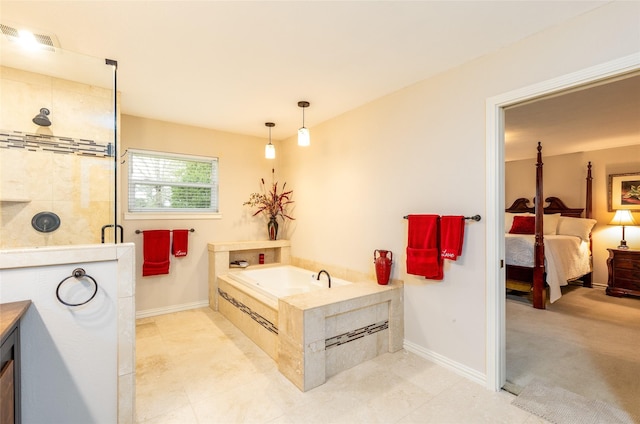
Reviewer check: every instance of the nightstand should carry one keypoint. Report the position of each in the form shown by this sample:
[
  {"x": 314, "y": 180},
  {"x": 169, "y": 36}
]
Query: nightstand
[{"x": 624, "y": 272}]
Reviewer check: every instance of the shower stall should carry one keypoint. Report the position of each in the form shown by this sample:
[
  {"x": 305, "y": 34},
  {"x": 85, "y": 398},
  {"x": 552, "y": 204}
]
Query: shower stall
[
  {"x": 61, "y": 245},
  {"x": 58, "y": 145}
]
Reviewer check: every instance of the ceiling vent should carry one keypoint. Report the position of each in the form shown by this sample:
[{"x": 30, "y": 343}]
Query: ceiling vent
[{"x": 42, "y": 41}]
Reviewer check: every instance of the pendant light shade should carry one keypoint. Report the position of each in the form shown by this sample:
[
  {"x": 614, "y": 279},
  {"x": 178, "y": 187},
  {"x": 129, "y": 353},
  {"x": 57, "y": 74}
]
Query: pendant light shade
[
  {"x": 303, "y": 133},
  {"x": 270, "y": 149}
]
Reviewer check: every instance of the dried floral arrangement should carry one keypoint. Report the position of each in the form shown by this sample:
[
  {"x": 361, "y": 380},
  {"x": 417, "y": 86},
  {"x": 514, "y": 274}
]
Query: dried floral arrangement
[{"x": 270, "y": 202}]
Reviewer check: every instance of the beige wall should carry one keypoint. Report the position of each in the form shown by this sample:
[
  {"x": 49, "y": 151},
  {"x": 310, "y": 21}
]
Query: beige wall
[
  {"x": 79, "y": 189},
  {"x": 241, "y": 166},
  {"x": 422, "y": 149},
  {"x": 564, "y": 177},
  {"x": 419, "y": 150}
]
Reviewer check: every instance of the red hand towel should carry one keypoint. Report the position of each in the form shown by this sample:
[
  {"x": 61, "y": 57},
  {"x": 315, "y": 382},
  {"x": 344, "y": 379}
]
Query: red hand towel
[
  {"x": 423, "y": 250},
  {"x": 451, "y": 236},
  {"x": 155, "y": 252},
  {"x": 180, "y": 243}
]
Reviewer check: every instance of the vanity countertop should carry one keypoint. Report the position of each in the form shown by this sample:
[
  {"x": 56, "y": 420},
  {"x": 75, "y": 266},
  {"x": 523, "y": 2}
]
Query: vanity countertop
[{"x": 10, "y": 313}]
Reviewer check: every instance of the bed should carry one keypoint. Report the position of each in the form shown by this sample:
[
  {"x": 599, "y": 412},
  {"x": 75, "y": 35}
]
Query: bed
[{"x": 548, "y": 246}]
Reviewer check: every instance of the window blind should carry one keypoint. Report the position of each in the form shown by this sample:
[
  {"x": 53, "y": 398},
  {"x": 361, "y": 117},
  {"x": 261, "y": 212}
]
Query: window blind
[{"x": 172, "y": 183}]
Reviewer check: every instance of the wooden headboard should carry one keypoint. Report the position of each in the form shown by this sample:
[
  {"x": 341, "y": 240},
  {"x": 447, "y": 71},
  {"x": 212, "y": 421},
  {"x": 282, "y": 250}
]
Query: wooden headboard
[{"x": 555, "y": 205}]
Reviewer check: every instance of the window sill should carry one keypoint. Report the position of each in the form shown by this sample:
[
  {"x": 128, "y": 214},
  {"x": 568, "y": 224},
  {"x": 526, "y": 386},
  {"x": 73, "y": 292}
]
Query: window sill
[{"x": 129, "y": 216}]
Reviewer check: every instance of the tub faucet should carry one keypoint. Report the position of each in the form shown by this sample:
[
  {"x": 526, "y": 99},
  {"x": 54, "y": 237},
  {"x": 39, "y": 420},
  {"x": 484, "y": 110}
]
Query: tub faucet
[{"x": 328, "y": 276}]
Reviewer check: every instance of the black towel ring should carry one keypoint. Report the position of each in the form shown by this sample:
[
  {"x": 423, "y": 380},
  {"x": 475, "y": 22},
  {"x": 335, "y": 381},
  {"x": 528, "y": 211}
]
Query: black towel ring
[{"x": 77, "y": 273}]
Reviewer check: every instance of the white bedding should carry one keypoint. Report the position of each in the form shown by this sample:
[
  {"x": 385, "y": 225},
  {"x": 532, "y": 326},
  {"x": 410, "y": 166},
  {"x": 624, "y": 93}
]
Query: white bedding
[{"x": 566, "y": 258}]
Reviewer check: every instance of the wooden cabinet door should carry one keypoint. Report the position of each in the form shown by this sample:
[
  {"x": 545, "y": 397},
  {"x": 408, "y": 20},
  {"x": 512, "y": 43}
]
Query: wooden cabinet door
[{"x": 7, "y": 399}]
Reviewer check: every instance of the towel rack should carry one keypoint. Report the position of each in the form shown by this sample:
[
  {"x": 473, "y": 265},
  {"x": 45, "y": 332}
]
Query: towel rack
[
  {"x": 78, "y": 273},
  {"x": 472, "y": 218},
  {"x": 191, "y": 230}
]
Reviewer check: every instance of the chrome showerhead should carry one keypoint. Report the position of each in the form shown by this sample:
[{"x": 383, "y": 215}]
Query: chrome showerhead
[{"x": 42, "y": 118}]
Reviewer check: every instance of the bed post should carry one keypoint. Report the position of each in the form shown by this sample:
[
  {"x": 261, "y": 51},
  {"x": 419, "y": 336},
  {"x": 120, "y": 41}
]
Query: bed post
[
  {"x": 589, "y": 202},
  {"x": 539, "y": 290},
  {"x": 588, "y": 213}
]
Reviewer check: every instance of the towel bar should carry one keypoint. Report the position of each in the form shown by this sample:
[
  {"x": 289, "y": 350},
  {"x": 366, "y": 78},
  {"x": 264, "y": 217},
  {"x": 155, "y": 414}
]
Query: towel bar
[
  {"x": 473, "y": 218},
  {"x": 191, "y": 230}
]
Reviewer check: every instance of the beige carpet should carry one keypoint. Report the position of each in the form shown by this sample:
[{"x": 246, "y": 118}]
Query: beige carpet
[
  {"x": 586, "y": 343},
  {"x": 561, "y": 406}
]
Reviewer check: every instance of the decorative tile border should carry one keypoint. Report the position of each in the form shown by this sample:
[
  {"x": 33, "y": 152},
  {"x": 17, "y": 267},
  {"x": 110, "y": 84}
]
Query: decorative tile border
[
  {"x": 254, "y": 315},
  {"x": 65, "y": 145},
  {"x": 329, "y": 343},
  {"x": 341, "y": 339}
]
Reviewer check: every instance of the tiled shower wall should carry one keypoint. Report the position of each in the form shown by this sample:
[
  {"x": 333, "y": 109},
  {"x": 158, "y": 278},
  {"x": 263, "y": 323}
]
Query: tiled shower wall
[{"x": 66, "y": 168}]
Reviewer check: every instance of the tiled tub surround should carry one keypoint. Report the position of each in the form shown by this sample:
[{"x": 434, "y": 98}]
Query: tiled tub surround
[
  {"x": 252, "y": 312},
  {"x": 249, "y": 299},
  {"x": 313, "y": 336}
]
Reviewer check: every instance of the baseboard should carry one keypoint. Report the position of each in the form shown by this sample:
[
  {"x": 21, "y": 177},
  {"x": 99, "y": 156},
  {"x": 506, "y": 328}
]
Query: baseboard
[
  {"x": 170, "y": 309},
  {"x": 445, "y": 362}
]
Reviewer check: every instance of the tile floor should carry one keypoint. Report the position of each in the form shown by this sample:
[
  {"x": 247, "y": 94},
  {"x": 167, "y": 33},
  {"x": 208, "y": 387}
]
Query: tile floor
[{"x": 196, "y": 367}]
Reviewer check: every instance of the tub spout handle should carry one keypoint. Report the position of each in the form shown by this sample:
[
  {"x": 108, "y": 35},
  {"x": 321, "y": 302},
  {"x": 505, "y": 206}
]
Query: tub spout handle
[{"x": 328, "y": 276}]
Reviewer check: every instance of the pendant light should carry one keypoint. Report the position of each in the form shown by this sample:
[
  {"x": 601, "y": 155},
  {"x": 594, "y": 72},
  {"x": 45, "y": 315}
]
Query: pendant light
[
  {"x": 270, "y": 149},
  {"x": 303, "y": 133}
]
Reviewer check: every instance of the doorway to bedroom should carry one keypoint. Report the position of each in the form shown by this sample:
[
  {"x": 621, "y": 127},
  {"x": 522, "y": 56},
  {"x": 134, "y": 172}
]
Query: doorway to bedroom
[{"x": 506, "y": 357}]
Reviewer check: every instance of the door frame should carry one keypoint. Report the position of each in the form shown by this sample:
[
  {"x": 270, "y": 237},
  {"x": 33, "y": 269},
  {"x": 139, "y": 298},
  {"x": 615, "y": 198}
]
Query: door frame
[{"x": 496, "y": 363}]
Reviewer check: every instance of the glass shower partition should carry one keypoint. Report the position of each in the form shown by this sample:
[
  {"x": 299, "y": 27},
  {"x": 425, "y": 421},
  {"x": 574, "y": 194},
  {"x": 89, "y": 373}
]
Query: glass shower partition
[{"x": 58, "y": 147}]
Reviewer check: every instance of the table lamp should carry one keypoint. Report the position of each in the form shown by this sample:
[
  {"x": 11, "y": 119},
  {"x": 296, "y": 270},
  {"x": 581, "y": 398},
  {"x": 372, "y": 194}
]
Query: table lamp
[{"x": 623, "y": 217}]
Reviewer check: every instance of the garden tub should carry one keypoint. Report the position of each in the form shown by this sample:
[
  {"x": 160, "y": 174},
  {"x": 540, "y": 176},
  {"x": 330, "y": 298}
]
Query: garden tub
[
  {"x": 281, "y": 281},
  {"x": 310, "y": 330}
]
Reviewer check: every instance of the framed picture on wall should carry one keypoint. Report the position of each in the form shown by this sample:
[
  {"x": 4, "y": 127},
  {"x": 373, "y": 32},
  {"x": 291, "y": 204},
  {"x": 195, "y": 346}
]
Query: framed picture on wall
[{"x": 624, "y": 191}]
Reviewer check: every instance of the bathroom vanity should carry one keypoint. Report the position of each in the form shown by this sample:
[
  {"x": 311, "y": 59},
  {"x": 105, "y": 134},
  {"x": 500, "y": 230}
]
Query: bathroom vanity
[{"x": 10, "y": 315}]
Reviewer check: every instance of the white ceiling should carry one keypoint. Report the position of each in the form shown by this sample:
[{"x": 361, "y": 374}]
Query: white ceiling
[
  {"x": 233, "y": 65},
  {"x": 602, "y": 115}
]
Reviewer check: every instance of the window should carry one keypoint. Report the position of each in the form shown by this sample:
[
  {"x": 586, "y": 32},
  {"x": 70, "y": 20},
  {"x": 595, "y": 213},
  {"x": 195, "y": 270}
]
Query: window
[{"x": 170, "y": 182}]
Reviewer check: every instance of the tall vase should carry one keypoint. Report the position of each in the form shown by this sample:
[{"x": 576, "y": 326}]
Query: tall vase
[
  {"x": 383, "y": 265},
  {"x": 272, "y": 228}
]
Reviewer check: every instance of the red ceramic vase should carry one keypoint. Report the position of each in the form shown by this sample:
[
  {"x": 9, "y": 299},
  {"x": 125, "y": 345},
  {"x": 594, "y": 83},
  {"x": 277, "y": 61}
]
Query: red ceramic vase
[{"x": 383, "y": 265}]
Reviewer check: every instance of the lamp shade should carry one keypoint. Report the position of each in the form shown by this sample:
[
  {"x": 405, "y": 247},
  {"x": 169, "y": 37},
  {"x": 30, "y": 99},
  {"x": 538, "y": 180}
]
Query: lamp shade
[
  {"x": 623, "y": 217},
  {"x": 303, "y": 137},
  {"x": 270, "y": 151}
]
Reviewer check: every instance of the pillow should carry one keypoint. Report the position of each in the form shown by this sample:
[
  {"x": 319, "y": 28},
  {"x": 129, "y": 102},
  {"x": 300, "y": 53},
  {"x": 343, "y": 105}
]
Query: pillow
[
  {"x": 550, "y": 223},
  {"x": 523, "y": 225},
  {"x": 579, "y": 227},
  {"x": 508, "y": 219}
]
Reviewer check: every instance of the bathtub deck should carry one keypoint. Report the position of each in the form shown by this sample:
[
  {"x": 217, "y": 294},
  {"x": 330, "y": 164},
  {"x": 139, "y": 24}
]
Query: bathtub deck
[
  {"x": 325, "y": 333},
  {"x": 313, "y": 336}
]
